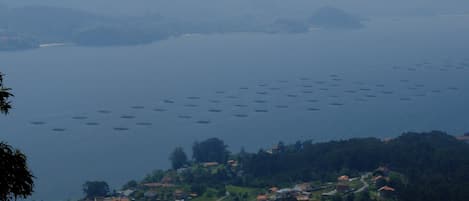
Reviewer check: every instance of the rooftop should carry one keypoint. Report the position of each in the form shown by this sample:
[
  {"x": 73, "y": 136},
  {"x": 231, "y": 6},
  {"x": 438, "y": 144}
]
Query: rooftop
[{"x": 386, "y": 188}]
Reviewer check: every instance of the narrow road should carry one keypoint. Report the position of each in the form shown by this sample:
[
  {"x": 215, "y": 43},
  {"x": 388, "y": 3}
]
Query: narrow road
[
  {"x": 365, "y": 184},
  {"x": 224, "y": 197}
]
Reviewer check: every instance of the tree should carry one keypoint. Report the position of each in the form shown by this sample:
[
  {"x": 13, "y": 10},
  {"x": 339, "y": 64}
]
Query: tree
[
  {"x": 350, "y": 197},
  {"x": 16, "y": 180},
  {"x": 178, "y": 158},
  {"x": 132, "y": 184},
  {"x": 281, "y": 147},
  {"x": 221, "y": 191},
  {"x": 94, "y": 189},
  {"x": 363, "y": 196},
  {"x": 210, "y": 150},
  {"x": 198, "y": 189},
  {"x": 155, "y": 176},
  {"x": 5, "y": 94}
]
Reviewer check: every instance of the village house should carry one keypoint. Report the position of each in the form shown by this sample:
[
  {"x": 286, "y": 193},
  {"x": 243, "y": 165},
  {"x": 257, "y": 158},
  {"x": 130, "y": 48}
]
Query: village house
[
  {"x": 109, "y": 199},
  {"x": 285, "y": 193},
  {"x": 386, "y": 192},
  {"x": 125, "y": 193},
  {"x": 303, "y": 187},
  {"x": 182, "y": 170},
  {"x": 158, "y": 185},
  {"x": 342, "y": 188},
  {"x": 302, "y": 198},
  {"x": 167, "y": 180},
  {"x": 179, "y": 195},
  {"x": 380, "y": 181},
  {"x": 116, "y": 199},
  {"x": 233, "y": 163},
  {"x": 210, "y": 164},
  {"x": 274, "y": 150},
  {"x": 343, "y": 184},
  {"x": 193, "y": 195},
  {"x": 273, "y": 190},
  {"x": 262, "y": 198},
  {"x": 377, "y": 178},
  {"x": 150, "y": 195},
  {"x": 343, "y": 178}
]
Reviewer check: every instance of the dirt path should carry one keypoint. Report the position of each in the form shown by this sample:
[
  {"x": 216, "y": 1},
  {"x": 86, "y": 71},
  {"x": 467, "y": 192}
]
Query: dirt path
[{"x": 365, "y": 184}]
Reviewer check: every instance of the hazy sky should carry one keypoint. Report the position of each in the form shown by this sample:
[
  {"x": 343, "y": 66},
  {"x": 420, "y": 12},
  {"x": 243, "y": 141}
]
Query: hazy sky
[{"x": 218, "y": 8}]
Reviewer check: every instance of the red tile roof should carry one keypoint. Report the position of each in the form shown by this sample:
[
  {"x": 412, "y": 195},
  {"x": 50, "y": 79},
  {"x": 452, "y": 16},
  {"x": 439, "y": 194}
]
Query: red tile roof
[
  {"x": 155, "y": 185},
  {"x": 210, "y": 164},
  {"x": 262, "y": 198},
  {"x": 343, "y": 178},
  {"x": 386, "y": 188}
]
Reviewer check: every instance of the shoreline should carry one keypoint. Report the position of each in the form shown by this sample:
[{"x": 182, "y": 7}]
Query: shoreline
[{"x": 45, "y": 45}]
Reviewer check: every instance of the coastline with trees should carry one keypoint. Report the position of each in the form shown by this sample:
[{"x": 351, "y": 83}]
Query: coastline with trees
[{"x": 410, "y": 167}]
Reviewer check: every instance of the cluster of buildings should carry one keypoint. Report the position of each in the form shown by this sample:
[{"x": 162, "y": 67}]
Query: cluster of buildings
[
  {"x": 341, "y": 187},
  {"x": 109, "y": 199},
  {"x": 123, "y": 195},
  {"x": 344, "y": 185},
  {"x": 380, "y": 180},
  {"x": 300, "y": 192},
  {"x": 166, "y": 189}
]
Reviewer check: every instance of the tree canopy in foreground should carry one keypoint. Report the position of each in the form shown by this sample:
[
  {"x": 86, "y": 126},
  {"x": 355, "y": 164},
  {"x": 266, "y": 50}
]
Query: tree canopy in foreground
[{"x": 16, "y": 180}]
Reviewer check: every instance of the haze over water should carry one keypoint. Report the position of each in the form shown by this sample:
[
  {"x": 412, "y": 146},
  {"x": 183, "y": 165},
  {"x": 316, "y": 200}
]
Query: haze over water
[{"x": 55, "y": 84}]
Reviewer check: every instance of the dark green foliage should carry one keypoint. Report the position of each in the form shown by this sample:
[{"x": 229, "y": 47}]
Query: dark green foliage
[
  {"x": 350, "y": 197},
  {"x": 221, "y": 191},
  {"x": 130, "y": 185},
  {"x": 16, "y": 181},
  {"x": 94, "y": 189},
  {"x": 198, "y": 188},
  {"x": 380, "y": 183},
  {"x": 336, "y": 198},
  {"x": 363, "y": 196},
  {"x": 178, "y": 158},
  {"x": 290, "y": 199},
  {"x": 435, "y": 164},
  {"x": 208, "y": 176},
  {"x": 5, "y": 94},
  {"x": 155, "y": 176},
  {"x": 210, "y": 150},
  {"x": 323, "y": 161},
  {"x": 425, "y": 166}
]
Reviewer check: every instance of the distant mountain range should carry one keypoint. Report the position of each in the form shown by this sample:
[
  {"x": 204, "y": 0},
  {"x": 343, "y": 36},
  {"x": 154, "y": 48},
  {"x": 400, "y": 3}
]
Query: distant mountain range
[{"x": 26, "y": 27}]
